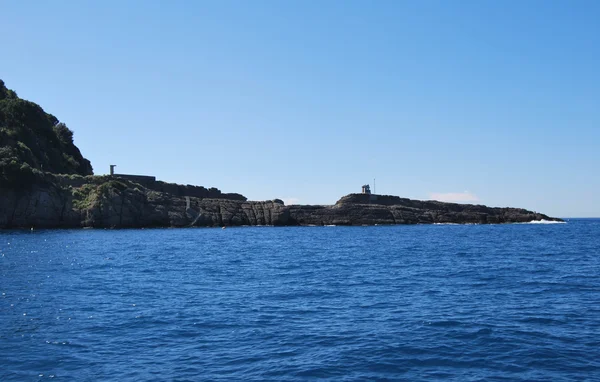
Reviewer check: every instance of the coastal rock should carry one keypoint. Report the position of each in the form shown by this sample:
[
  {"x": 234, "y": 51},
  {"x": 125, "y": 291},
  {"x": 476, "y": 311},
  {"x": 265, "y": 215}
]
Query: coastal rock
[
  {"x": 110, "y": 202},
  {"x": 35, "y": 147}
]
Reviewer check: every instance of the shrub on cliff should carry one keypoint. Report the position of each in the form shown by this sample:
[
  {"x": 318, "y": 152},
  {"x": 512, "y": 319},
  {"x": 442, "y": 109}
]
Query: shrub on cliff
[{"x": 33, "y": 140}]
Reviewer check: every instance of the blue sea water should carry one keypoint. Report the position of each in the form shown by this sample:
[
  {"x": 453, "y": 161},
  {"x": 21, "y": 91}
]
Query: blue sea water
[{"x": 418, "y": 303}]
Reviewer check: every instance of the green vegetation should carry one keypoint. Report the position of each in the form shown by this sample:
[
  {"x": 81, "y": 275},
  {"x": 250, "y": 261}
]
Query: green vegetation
[
  {"x": 85, "y": 196},
  {"x": 99, "y": 190},
  {"x": 33, "y": 141}
]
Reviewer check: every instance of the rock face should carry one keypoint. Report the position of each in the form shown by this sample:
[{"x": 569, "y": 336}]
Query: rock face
[
  {"x": 35, "y": 146},
  {"x": 359, "y": 209},
  {"x": 110, "y": 202}
]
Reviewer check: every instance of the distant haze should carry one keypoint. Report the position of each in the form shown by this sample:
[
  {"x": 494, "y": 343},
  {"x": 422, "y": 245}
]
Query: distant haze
[{"x": 482, "y": 102}]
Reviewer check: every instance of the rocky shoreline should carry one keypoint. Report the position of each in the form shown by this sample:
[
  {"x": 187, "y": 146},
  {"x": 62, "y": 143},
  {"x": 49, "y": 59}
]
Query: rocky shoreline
[
  {"x": 67, "y": 201},
  {"x": 45, "y": 182}
]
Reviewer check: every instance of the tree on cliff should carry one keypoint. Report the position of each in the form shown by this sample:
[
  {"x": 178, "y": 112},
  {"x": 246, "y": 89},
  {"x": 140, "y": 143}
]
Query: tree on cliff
[{"x": 32, "y": 141}]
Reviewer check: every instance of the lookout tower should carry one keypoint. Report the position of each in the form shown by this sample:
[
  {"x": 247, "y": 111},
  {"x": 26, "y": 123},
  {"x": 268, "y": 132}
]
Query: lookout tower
[
  {"x": 366, "y": 189},
  {"x": 112, "y": 169}
]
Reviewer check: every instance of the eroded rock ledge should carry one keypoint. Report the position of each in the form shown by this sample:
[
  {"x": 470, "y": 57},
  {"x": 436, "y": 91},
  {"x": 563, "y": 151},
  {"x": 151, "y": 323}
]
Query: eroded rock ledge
[{"x": 106, "y": 202}]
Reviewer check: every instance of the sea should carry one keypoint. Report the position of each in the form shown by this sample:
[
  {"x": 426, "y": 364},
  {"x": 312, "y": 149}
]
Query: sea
[{"x": 512, "y": 302}]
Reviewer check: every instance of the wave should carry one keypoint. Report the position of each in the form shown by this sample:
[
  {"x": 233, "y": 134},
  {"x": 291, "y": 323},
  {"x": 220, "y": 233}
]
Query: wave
[{"x": 543, "y": 221}]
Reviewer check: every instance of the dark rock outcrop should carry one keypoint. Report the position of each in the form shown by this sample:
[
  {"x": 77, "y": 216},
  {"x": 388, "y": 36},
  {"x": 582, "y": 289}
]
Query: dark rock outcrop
[
  {"x": 110, "y": 202},
  {"x": 35, "y": 147}
]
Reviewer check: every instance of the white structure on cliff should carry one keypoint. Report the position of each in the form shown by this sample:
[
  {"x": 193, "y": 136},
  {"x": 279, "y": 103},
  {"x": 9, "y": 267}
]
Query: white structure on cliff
[{"x": 366, "y": 189}]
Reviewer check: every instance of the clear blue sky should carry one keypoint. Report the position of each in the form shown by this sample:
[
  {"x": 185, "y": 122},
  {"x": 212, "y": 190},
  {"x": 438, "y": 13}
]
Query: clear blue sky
[{"x": 493, "y": 101}]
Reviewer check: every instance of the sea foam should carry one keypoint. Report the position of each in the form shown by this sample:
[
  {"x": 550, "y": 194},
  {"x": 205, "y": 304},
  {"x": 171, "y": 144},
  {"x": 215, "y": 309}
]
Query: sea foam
[{"x": 544, "y": 222}]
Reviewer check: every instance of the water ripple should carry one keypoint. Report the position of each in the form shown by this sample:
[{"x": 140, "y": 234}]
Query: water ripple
[{"x": 418, "y": 303}]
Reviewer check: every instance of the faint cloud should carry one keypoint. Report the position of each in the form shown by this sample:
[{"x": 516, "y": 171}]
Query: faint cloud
[
  {"x": 290, "y": 201},
  {"x": 454, "y": 197}
]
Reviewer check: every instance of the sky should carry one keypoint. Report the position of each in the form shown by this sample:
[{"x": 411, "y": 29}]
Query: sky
[{"x": 487, "y": 102}]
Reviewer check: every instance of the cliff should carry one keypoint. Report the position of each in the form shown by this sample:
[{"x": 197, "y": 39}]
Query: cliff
[
  {"x": 110, "y": 202},
  {"x": 46, "y": 182}
]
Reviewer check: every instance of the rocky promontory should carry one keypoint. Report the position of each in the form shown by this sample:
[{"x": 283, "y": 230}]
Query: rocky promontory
[
  {"x": 111, "y": 202},
  {"x": 46, "y": 182}
]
